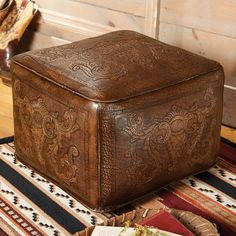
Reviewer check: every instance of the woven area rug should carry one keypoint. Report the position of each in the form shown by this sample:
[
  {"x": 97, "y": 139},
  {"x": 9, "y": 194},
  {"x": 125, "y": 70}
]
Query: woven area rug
[
  {"x": 32, "y": 205},
  {"x": 211, "y": 194}
]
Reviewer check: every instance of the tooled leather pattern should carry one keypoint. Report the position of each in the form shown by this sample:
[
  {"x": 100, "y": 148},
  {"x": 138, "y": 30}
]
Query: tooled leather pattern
[
  {"x": 46, "y": 130},
  {"x": 108, "y": 59},
  {"x": 175, "y": 135},
  {"x": 155, "y": 145},
  {"x": 108, "y": 142}
]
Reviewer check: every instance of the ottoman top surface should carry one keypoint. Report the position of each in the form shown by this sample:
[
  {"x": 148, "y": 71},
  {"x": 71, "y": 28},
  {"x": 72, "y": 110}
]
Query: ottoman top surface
[{"x": 115, "y": 66}]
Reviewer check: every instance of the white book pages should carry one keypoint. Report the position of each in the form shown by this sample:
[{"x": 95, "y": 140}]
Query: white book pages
[{"x": 117, "y": 231}]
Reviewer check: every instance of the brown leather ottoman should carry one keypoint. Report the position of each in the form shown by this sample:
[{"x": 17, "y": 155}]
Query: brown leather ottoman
[{"x": 114, "y": 117}]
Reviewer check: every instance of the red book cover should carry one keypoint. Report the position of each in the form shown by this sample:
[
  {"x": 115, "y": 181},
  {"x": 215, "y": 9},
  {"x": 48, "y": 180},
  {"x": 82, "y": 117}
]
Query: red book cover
[{"x": 165, "y": 221}]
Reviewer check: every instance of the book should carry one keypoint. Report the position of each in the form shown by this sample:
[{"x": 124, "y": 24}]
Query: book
[
  {"x": 165, "y": 221},
  {"x": 119, "y": 231}
]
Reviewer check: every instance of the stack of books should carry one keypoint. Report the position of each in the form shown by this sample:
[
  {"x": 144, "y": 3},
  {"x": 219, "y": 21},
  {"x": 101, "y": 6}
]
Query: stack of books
[{"x": 160, "y": 224}]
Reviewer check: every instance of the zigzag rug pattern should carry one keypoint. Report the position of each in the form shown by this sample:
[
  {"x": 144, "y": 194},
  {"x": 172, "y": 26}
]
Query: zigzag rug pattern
[{"x": 32, "y": 205}]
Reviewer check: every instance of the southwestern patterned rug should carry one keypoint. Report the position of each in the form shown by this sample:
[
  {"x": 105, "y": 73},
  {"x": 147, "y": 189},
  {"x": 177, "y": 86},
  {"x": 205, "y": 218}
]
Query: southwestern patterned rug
[{"x": 31, "y": 205}]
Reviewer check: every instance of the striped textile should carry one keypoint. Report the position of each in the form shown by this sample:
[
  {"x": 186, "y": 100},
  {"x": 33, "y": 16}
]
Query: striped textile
[
  {"x": 6, "y": 139},
  {"x": 32, "y": 205},
  {"x": 211, "y": 194}
]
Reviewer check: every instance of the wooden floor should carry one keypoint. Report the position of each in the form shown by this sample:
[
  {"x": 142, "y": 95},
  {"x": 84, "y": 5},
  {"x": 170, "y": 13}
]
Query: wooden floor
[
  {"x": 6, "y": 115},
  {"x": 228, "y": 133}
]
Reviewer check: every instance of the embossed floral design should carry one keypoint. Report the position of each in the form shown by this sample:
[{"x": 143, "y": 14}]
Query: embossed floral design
[
  {"x": 108, "y": 59},
  {"x": 96, "y": 72},
  {"x": 50, "y": 129},
  {"x": 176, "y": 134}
]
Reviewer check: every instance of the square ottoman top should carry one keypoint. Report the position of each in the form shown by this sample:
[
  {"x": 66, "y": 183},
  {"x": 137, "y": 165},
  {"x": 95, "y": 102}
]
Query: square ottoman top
[{"x": 115, "y": 66}]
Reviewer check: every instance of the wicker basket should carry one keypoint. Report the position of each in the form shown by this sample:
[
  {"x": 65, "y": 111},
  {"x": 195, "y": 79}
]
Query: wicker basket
[{"x": 196, "y": 224}]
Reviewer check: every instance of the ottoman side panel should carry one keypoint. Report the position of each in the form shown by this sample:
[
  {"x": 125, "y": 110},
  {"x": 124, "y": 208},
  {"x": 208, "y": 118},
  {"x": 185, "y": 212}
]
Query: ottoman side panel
[
  {"x": 56, "y": 134},
  {"x": 154, "y": 139}
]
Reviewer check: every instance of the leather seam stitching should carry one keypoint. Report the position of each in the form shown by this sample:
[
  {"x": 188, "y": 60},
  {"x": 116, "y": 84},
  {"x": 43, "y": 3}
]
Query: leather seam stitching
[{"x": 219, "y": 67}]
